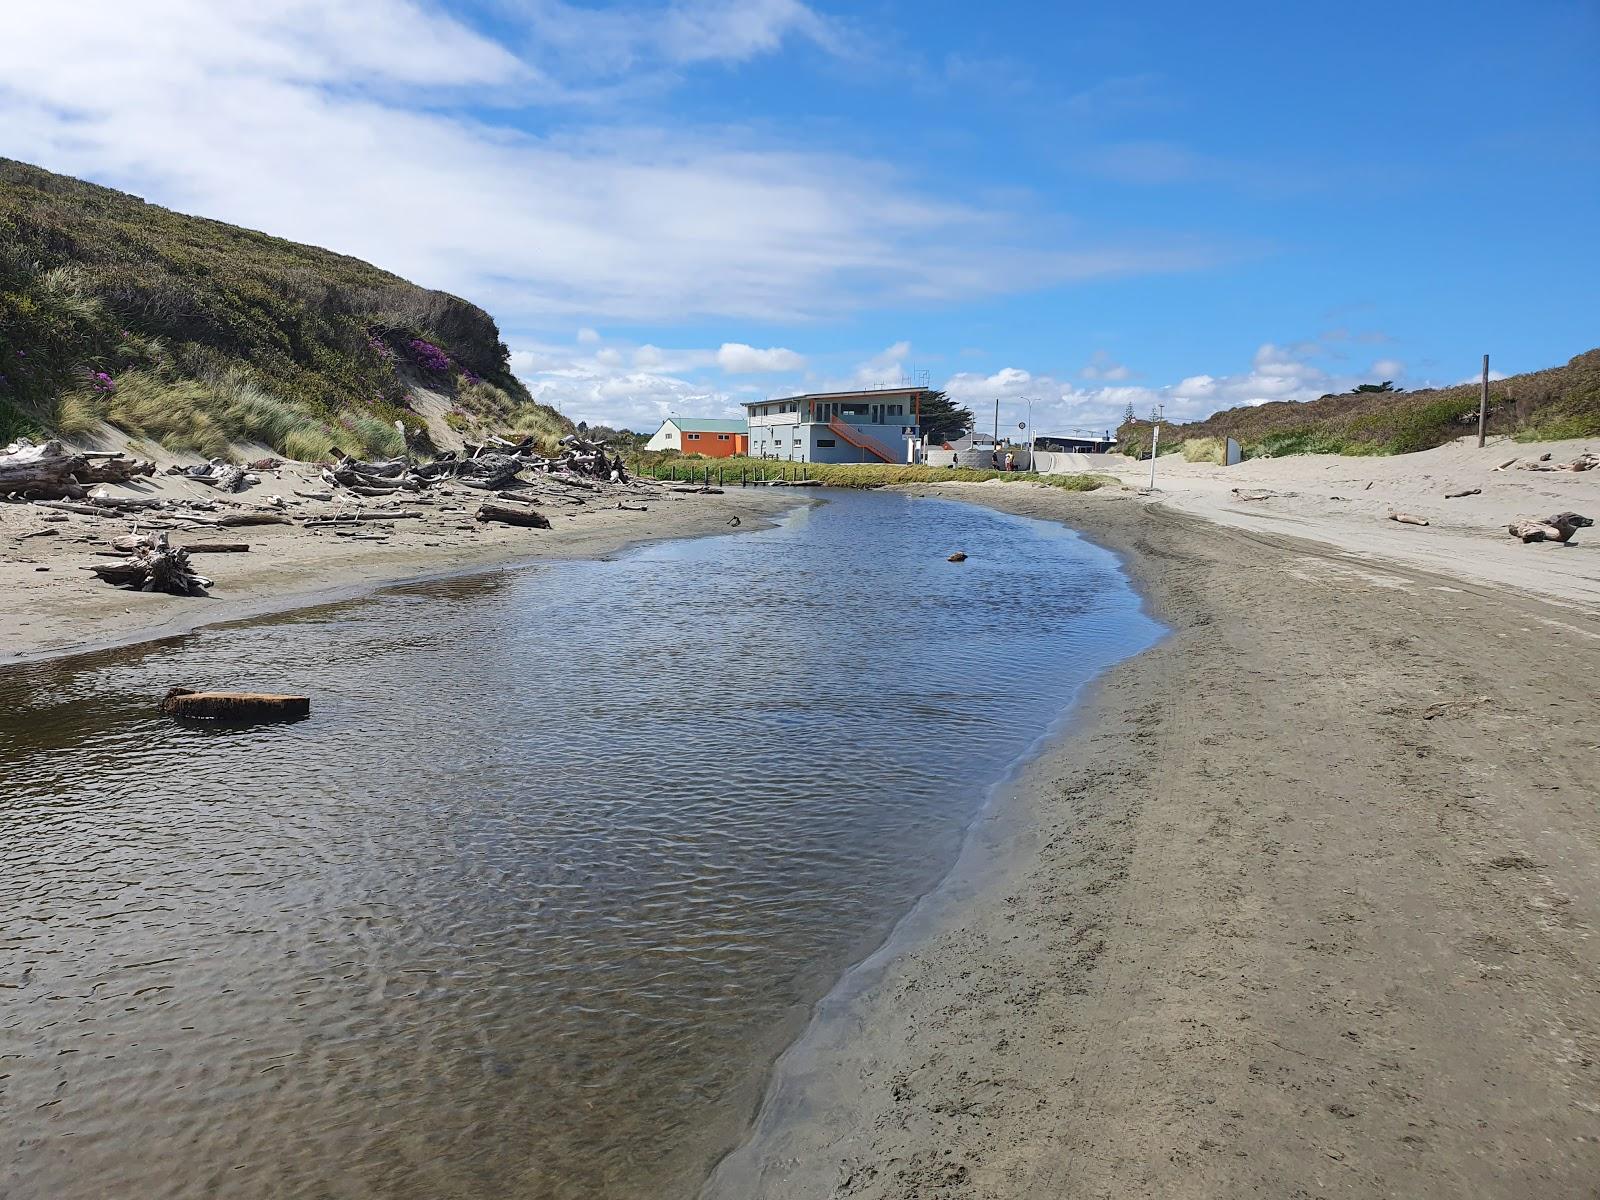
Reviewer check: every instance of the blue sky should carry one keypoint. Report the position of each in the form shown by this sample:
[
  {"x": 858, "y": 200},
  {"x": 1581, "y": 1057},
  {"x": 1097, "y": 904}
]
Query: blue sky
[{"x": 672, "y": 207}]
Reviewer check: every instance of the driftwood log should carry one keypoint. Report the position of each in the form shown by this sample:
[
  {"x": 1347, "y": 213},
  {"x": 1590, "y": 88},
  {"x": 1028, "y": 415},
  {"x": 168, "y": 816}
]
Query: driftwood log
[
  {"x": 251, "y": 518},
  {"x": 47, "y": 470},
  {"x": 113, "y": 468},
  {"x": 1408, "y": 518},
  {"x": 1558, "y": 528},
  {"x": 153, "y": 566},
  {"x": 1459, "y": 495},
  {"x": 233, "y": 706},
  {"x": 530, "y": 517},
  {"x": 215, "y": 547}
]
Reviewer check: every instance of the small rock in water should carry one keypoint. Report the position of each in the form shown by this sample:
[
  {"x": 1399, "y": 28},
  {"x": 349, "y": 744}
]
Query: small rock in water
[{"x": 958, "y": 556}]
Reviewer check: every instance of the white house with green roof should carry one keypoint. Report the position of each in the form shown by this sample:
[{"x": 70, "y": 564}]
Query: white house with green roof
[{"x": 715, "y": 437}]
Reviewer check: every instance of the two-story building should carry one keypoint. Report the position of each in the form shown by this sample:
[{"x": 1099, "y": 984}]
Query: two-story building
[{"x": 839, "y": 427}]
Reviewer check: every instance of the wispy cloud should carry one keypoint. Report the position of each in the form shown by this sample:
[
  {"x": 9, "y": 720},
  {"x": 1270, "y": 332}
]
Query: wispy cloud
[{"x": 382, "y": 128}]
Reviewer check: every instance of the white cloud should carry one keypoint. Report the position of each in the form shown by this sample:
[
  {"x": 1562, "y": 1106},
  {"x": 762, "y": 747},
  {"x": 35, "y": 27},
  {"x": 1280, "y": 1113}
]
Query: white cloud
[
  {"x": 887, "y": 368},
  {"x": 738, "y": 359},
  {"x": 1388, "y": 368},
  {"x": 644, "y": 38},
  {"x": 375, "y": 127},
  {"x": 1102, "y": 366},
  {"x": 587, "y": 336},
  {"x": 1276, "y": 372}
]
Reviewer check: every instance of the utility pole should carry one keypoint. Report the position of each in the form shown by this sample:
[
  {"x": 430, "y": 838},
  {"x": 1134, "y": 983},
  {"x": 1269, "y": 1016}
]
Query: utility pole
[
  {"x": 997, "y": 423},
  {"x": 1155, "y": 443},
  {"x": 1483, "y": 403}
]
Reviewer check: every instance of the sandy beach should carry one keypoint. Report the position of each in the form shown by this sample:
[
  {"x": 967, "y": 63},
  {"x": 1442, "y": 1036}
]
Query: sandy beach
[
  {"x": 1298, "y": 904},
  {"x": 52, "y": 606},
  {"x": 1301, "y": 903}
]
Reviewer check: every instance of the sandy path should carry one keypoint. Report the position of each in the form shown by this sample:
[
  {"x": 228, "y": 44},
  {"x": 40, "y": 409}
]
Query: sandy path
[{"x": 1260, "y": 927}]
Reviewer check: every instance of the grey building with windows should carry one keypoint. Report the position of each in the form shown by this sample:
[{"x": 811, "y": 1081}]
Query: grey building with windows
[{"x": 878, "y": 426}]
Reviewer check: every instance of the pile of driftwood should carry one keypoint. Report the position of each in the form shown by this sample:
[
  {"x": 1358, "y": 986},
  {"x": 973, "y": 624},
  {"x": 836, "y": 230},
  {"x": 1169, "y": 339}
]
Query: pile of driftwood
[
  {"x": 1584, "y": 462},
  {"x": 153, "y": 566},
  {"x": 1558, "y": 528},
  {"x": 50, "y": 471},
  {"x": 222, "y": 475},
  {"x": 490, "y": 467}
]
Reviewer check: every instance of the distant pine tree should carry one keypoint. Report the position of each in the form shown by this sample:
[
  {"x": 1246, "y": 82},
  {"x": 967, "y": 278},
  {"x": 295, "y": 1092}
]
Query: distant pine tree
[
  {"x": 943, "y": 420},
  {"x": 1127, "y": 417}
]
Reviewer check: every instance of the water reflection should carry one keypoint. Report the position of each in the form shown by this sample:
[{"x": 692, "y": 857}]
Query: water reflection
[{"x": 552, "y": 873}]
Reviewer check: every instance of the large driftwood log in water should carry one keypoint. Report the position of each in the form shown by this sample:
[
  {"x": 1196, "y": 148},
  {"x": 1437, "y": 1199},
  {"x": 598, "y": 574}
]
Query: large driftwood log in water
[
  {"x": 233, "y": 706},
  {"x": 530, "y": 517}
]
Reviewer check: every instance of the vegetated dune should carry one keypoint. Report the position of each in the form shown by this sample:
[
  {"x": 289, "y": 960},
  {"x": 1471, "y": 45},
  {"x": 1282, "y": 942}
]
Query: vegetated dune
[
  {"x": 1561, "y": 402},
  {"x": 201, "y": 335}
]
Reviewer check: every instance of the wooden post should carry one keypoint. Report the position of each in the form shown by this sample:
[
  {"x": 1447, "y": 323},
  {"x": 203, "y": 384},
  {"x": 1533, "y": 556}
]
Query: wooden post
[{"x": 1483, "y": 403}]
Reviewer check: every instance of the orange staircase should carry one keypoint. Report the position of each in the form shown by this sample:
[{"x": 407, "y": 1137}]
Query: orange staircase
[{"x": 860, "y": 440}]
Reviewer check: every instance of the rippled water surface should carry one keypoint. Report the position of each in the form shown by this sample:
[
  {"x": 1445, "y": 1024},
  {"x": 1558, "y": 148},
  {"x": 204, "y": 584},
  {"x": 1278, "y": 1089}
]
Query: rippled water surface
[{"x": 556, "y": 867}]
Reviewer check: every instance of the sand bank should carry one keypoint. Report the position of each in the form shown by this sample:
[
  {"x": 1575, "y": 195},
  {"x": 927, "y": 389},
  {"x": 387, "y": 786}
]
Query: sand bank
[
  {"x": 1302, "y": 907},
  {"x": 49, "y": 606}
]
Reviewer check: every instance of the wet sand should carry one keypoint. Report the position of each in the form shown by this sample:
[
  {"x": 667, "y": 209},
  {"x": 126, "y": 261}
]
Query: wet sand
[{"x": 1301, "y": 907}]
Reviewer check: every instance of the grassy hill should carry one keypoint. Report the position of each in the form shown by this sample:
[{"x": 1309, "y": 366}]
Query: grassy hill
[
  {"x": 1561, "y": 402},
  {"x": 198, "y": 334}
]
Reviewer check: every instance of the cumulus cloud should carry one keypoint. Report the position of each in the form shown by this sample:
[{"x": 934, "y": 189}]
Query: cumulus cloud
[
  {"x": 636, "y": 387},
  {"x": 1294, "y": 372},
  {"x": 738, "y": 359}
]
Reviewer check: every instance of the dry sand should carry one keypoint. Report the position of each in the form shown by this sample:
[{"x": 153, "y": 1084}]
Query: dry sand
[
  {"x": 1303, "y": 905},
  {"x": 50, "y": 606}
]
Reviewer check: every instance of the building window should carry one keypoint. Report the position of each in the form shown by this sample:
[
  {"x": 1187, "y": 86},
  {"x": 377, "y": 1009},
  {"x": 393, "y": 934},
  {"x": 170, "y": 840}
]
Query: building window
[
  {"x": 829, "y": 442},
  {"x": 693, "y": 437},
  {"x": 722, "y": 437}
]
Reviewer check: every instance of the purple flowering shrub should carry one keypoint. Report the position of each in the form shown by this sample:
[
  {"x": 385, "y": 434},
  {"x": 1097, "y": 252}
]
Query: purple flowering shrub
[
  {"x": 429, "y": 357},
  {"x": 380, "y": 347},
  {"x": 102, "y": 383}
]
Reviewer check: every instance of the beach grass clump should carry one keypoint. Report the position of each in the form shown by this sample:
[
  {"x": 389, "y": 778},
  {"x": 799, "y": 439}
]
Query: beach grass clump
[
  {"x": 374, "y": 438},
  {"x": 309, "y": 441},
  {"x": 1204, "y": 450},
  {"x": 1305, "y": 440},
  {"x": 850, "y": 475}
]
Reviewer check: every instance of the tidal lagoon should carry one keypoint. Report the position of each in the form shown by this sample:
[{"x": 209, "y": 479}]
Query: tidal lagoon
[{"x": 558, "y": 865}]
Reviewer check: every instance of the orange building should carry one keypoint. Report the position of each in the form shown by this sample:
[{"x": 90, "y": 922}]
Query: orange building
[{"x": 710, "y": 436}]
